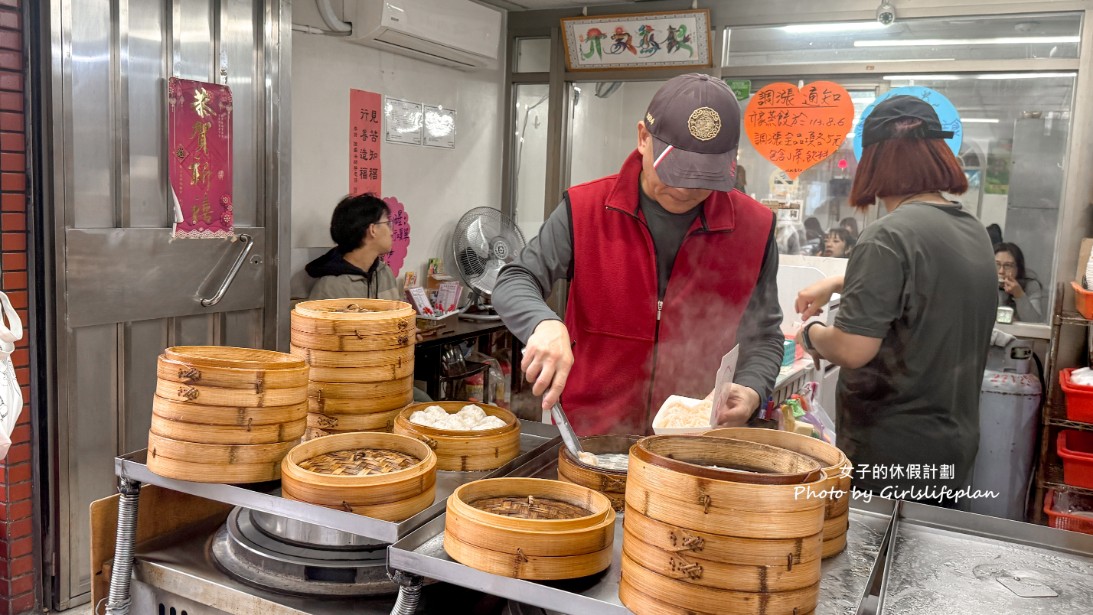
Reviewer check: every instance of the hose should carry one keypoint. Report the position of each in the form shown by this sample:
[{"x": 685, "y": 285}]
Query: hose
[
  {"x": 332, "y": 21},
  {"x": 406, "y": 603},
  {"x": 118, "y": 600}
]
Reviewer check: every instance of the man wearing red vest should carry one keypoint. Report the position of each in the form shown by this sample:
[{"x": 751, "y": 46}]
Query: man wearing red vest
[{"x": 669, "y": 268}]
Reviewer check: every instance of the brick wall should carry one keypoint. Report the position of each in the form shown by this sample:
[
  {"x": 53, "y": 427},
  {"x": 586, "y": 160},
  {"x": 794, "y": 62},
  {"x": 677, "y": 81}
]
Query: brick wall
[{"x": 19, "y": 580}]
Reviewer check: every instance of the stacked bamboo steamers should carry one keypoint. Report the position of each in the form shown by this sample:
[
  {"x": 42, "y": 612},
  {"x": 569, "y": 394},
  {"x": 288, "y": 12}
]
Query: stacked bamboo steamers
[
  {"x": 361, "y": 355},
  {"x": 226, "y": 415},
  {"x": 726, "y": 524}
]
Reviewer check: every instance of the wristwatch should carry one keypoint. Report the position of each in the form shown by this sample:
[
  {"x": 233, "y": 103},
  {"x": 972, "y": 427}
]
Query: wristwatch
[{"x": 806, "y": 339}]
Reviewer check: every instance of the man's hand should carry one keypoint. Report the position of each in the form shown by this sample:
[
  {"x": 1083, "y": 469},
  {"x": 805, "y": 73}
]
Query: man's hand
[
  {"x": 548, "y": 357},
  {"x": 737, "y": 406}
]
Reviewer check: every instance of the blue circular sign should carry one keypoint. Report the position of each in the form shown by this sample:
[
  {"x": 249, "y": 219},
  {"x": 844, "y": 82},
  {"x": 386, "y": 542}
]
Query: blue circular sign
[{"x": 946, "y": 112}]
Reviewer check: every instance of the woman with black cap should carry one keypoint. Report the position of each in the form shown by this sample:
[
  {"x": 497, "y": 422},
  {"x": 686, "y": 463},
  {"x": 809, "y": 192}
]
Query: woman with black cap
[{"x": 915, "y": 320}]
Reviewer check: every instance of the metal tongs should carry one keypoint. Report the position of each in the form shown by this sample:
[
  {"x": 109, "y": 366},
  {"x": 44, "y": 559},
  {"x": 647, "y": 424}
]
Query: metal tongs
[{"x": 568, "y": 435}]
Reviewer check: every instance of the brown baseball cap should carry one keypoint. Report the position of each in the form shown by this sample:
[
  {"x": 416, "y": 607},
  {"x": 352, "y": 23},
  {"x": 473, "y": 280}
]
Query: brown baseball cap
[{"x": 695, "y": 123}]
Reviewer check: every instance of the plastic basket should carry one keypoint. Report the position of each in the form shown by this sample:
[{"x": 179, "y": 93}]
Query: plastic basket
[
  {"x": 1065, "y": 521},
  {"x": 1079, "y": 399},
  {"x": 1083, "y": 300},
  {"x": 1076, "y": 450}
]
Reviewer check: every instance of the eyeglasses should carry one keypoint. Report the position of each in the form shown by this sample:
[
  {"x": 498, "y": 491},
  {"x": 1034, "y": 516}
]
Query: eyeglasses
[
  {"x": 383, "y": 222},
  {"x": 1006, "y": 266}
]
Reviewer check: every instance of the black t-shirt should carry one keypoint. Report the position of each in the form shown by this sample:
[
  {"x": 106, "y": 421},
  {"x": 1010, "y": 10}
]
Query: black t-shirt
[
  {"x": 668, "y": 230},
  {"x": 923, "y": 280}
]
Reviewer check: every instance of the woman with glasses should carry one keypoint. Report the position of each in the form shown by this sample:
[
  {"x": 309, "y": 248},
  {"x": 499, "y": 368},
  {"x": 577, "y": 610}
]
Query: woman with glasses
[
  {"x": 1016, "y": 288},
  {"x": 361, "y": 228}
]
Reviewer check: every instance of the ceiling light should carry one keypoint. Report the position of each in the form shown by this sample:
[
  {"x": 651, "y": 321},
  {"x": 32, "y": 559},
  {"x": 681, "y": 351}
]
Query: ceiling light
[
  {"x": 941, "y": 42},
  {"x": 817, "y": 28},
  {"x": 1007, "y": 76}
]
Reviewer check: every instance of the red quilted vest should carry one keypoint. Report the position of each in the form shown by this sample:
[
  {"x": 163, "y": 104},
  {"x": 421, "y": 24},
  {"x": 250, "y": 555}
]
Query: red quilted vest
[{"x": 626, "y": 363}]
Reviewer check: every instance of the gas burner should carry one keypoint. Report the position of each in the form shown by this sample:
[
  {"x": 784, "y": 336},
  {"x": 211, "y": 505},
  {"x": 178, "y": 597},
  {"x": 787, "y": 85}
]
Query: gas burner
[{"x": 297, "y": 558}]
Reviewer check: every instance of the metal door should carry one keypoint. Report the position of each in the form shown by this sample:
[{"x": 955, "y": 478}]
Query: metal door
[{"x": 122, "y": 289}]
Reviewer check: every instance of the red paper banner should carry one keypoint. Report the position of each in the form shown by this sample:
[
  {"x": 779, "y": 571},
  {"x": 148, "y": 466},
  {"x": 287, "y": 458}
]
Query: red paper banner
[
  {"x": 200, "y": 142},
  {"x": 366, "y": 122},
  {"x": 797, "y": 128}
]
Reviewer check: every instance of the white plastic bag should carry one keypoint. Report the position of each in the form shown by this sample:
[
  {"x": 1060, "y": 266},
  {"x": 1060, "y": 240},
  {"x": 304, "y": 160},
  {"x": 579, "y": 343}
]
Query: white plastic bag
[{"x": 11, "y": 397}]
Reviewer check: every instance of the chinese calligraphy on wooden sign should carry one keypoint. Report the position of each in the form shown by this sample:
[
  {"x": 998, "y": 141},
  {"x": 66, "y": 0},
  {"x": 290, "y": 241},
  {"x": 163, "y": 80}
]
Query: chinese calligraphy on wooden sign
[
  {"x": 366, "y": 122},
  {"x": 645, "y": 40},
  {"x": 400, "y": 235},
  {"x": 200, "y": 142},
  {"x": 797, "y": 128}
]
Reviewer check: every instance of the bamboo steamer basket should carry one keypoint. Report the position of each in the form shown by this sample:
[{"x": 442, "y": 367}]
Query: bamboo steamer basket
[
  {"x": 217, "y": 396},
  {"x": 227, "y": 434},
  {"x": 465, "y": 451},
  {"x": 211, "y": 463},
  {"x": 347, "y": 360},
  {"x": 836, "y": 467},
  {"x": 378, "y": 391},
  {"x": 376, "y": 421},
  {"x": 392, "y": 369},
  {"x": 743, "y": 536},
  {"x": 335, "y": 406},
  {"x": 529, "y": 528},
  {"x": 688, "y": 595},
  {"x": 231, "y": 368},
  {"x": 611, "y": 483},
  {"x": 381, "y": 475},
  {"x": 238, "y": 416}
]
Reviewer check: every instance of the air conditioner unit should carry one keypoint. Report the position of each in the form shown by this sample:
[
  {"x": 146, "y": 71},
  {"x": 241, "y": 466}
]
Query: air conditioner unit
[{"x": 457, "y": 33}]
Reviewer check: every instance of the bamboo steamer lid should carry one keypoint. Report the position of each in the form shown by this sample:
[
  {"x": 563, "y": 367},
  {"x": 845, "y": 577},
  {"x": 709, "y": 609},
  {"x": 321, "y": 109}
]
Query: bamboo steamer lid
[
  {"x": 465, "y": 451},
  {"x": 348, "y": 316},
  {"x": 727, "y": 549},
  {"x": 530, "y": 528},
  {"x": 381, "y": 475},
  {"x": 239, "y": 416},
  {"x": 227, "y": 434},
  {"x": 726, "y": 459},
  {"x": 693, "y": 597},
  {"x": 609, "y": 482},
  {"x": 692, "y": 567},
  {"x": 231, "y": 368},
  {"x": 233, "y": 358}
]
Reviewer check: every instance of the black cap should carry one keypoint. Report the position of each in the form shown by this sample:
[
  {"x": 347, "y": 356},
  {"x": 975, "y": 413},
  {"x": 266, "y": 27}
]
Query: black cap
[
  {"x": 695, "y": 123},
  {"x": 880, "y": 123}
]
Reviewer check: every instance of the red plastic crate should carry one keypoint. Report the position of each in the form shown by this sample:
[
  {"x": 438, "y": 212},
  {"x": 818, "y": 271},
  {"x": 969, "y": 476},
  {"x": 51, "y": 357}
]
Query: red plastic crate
[
  {"x": 1079, "y": 399},
  {"x": 1065, "y": 521},
  {"x": 1076, "y": 449}
]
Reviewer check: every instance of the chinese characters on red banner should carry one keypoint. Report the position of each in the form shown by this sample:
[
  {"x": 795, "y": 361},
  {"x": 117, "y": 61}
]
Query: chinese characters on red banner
[
  {"x": 366, "y": 123},
  {"x": 200, "y": 142}
]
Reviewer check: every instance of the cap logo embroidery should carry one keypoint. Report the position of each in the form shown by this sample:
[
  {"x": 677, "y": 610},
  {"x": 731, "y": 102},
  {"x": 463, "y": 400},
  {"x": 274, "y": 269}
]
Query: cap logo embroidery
[
  {"x": 704, "y": 123},
  {"x": 649, "y": 118}
]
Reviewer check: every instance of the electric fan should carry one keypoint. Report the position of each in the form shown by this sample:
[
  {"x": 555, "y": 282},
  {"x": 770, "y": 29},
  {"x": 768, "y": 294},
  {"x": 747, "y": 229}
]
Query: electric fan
[{"x": 484, "y": 241}]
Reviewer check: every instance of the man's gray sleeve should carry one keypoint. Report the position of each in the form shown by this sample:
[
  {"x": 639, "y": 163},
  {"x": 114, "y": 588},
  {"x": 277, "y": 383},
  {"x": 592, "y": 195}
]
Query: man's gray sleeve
[
  {"x": 521, "y": 289},
  {"x": 760, "y": 333}
]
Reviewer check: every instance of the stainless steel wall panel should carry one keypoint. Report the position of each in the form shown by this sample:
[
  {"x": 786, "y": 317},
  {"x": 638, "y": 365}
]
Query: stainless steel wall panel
[
  {"x": 149, "y": 199},
  {"x": 194, "y": 330},
  {"x": 239, "y": 36},
  {"x": 193, "y": 38},
  {"x": 92, "y": 438},
  {"x": 122, "y": 275},
  {"x": 243, "y": 329},
  {"x": 143, "y": 342},
  {"x": 91, "y": 123}
]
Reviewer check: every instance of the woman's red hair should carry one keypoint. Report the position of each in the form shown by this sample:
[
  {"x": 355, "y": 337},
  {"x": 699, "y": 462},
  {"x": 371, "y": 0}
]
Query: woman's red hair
[{"x": 905, "y": 166}]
